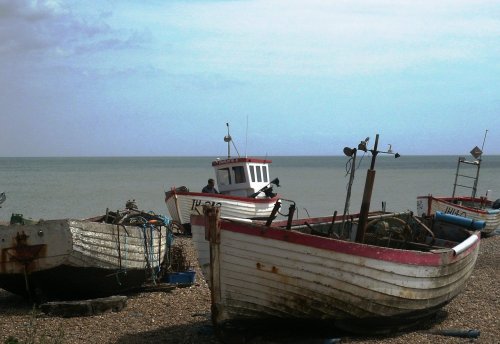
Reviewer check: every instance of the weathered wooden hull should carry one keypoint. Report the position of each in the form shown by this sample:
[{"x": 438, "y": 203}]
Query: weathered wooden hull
[
  {"x": 259, "y": 272},
  {"x": 201, "y": 245},
  {"x": 462, "y": 206},
  {"x": 67, "y": 257},
  {"x": 181, "y": 205}
]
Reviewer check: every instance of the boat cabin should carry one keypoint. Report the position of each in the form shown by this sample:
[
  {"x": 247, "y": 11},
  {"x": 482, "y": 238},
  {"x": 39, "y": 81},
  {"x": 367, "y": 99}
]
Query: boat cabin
[{"x": 243, "y": 177}]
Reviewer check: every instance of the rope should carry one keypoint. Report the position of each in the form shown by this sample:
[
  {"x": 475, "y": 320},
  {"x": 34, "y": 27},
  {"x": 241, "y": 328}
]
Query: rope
[
  {"x": 121, "y": 269},
  {"x": 149, "y": 251},
  {"x": 119, "y": 255},
  {"x": 149, "y": 222}
]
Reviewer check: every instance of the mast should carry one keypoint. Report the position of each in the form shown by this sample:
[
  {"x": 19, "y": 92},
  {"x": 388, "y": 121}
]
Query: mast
[
  {"x": 351, "y": 152},
  {"x": 367, "y": 194},
  {"x": 228, "y": 139}
]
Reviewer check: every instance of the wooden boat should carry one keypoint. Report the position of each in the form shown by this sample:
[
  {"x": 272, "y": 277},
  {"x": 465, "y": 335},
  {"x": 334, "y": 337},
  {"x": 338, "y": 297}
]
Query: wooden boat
[
  {"x": 72, "y": 258},
  {"x": 472, "y": 207},
  {"x": 390, "y": 273},
  {"x": 399, "y": 275},
  {"x": 475, "y": 208},
  {"x": 245, "y": 191}
]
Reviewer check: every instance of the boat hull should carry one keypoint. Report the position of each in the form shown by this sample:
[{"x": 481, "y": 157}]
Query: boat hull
[
  {"x": 461, "y": 206},
  {"x": 72, "y": 258},
  {"x": 181, "y": 205},
  {"x": 69, "y": 282},
  {"x": 258, "y": 272}
]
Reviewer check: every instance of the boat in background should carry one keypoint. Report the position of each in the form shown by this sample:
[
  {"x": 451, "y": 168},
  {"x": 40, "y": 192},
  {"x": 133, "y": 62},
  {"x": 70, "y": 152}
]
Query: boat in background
[
  {"x": 71, "y": 258},
  {"x": 245, "y": 191},
  {"x": 371, "y": 272},
  {"x": 471, "y": 207}
]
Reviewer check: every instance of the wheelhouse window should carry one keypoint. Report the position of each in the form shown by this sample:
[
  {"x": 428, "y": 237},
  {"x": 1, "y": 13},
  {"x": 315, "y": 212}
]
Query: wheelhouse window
[
  {"x": 264, "y": 173},
  {"x": 239, "y": 174},
  {"x": 224, "y": 176},
  {"x": 252, "y": 173},
  {"x": 259, "y": 174}
]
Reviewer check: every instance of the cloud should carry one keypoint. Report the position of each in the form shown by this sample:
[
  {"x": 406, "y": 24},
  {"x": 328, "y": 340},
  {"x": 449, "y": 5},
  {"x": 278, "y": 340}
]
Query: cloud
[
  {"x": 27, "y": 27},
  {"x": 327, "y": 38},
  {"x": 69, "y": 67},
  {"x": 39, "y": 30},
  {"x": 262, "y": 38}
]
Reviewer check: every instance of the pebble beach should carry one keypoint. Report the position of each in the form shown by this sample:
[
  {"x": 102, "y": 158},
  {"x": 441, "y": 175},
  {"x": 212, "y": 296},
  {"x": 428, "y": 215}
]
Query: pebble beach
[{"x": 167, "y": 314}]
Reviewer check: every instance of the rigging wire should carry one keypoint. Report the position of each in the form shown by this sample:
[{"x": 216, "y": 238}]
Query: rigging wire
[
  {"x": 349, "y": 166},
  {"x": 235, "y": 148},
  {"x": 359, "y": 163}
]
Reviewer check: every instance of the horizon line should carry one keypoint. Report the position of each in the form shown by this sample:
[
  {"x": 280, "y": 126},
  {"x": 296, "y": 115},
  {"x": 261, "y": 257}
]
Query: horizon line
[{"x": 212, "y": 156}]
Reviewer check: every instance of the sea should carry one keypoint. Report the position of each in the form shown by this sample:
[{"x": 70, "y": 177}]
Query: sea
[{"x": 82, "y": 187}]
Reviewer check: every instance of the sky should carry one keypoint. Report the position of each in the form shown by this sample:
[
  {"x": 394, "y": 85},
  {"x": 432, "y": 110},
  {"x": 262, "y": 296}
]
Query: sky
[{"x": 162, "y": 78}]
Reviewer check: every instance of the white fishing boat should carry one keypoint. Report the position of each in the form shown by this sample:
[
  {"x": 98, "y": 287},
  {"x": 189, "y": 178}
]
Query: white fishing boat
[
  {"x": 471, "y": 207},
  {"x": 244, "y": 191},
  {"x": 368, "y": 272},
  {"x": 71, "y": 258}
]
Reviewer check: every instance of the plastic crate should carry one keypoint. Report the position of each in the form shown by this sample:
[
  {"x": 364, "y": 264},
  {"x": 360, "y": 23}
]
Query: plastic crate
[{"x": 185, "y": 277}]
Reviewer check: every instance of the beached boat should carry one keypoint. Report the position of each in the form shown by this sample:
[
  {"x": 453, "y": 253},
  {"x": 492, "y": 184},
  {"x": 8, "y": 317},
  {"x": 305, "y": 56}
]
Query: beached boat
[
  {"x": 245, "y": 191},
  {"x": 368, "y": 272},
  {"x": 475, "y": 208},
  {"x": 472, "y": 207},
  {"x": 72, "y": 258}
]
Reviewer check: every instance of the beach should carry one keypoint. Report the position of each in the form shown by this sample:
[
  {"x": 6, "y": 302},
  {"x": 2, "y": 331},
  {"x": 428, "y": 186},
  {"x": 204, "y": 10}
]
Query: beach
[
  {"x": 51, "y": 188},
  {"x": 182, "y": 315}
]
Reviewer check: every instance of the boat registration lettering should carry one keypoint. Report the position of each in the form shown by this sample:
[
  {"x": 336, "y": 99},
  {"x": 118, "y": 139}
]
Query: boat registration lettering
[
  {"x": 198, "y": 202},
  {"x": 453, "y": 211}
]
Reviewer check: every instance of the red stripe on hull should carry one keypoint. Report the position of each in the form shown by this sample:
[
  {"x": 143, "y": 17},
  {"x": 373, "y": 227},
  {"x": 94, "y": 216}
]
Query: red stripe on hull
[
  {"x": 449, "y": 201},
  {"x": 350, "y": 248},
  {"x": 227, "y": 197}
]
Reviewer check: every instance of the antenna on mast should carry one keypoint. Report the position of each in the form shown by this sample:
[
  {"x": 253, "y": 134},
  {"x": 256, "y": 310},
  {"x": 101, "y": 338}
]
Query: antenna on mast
[
  {"x": 484, "y": 140},
  {"x": 229, "y": 139},
  {"x": 246, "y": 139}
]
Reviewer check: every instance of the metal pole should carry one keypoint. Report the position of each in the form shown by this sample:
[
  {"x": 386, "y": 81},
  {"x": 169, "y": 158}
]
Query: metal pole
[
  {"x": 474, "y": 188},
  {"x": 460, "y": 159},
  {"x": 228, "y": 140},
  {"x": 349, "y": 187},
  {"x": 484, "y": 140}
]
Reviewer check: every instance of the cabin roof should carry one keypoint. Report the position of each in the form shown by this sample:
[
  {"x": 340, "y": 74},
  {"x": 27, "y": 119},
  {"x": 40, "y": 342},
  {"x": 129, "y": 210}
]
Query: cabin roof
[{"x": 239, "y": 160}]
